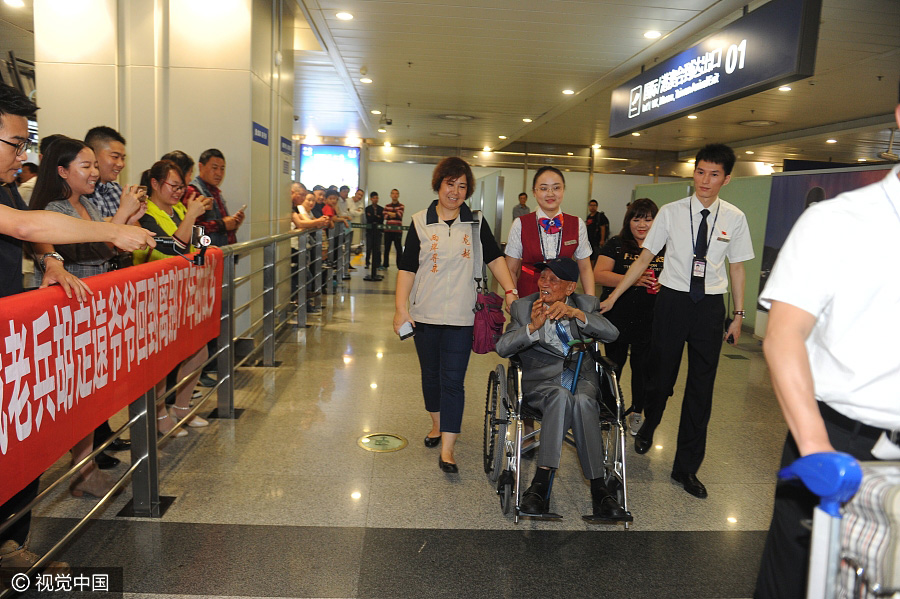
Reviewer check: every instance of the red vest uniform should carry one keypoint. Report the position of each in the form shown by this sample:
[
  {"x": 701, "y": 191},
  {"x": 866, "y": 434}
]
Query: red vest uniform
[{"x": 533, "y": 253}]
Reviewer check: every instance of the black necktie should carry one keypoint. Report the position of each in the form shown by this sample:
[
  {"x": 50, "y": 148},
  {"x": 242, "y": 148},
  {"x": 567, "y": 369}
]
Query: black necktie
[{"x": 698, "y": 284}]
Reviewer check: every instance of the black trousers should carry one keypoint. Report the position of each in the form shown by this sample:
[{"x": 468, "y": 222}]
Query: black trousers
[
  {"x": 785, "y": 560},
  {"x": 392, "y": 238},
  {"x": 617, "y": 351},
  {"x": 678, "y": 320},
  {"x": 19, "y": 531},
  {"x": 373, "y": 246}
]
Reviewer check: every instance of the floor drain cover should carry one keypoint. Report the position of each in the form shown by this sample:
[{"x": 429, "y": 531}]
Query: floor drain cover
[{"x": 382, "y": 442}]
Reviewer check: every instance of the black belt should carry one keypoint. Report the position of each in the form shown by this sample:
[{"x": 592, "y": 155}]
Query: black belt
[{"x": 855, "y": 426}]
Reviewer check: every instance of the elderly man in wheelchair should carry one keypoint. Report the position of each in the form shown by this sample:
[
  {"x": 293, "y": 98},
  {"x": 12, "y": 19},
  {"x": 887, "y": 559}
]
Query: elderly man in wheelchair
[{"x": 541, "y": 333}]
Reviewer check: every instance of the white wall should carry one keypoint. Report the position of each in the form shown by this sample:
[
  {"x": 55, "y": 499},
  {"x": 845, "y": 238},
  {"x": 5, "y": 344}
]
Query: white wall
[{"x": 413, "y": 181}]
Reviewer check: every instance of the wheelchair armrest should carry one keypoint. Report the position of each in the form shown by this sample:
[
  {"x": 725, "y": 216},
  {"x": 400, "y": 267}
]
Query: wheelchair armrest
[{"x": 606, "y": 364}]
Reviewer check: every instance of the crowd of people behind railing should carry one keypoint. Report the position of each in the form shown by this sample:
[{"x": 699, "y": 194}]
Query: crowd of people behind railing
[{"x": 68, "y": 218}]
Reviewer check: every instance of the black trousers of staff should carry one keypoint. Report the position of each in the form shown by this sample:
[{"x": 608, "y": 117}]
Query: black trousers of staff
[
  {"x": 678, "y": 320},
  {"x": 373, "y": 245}
]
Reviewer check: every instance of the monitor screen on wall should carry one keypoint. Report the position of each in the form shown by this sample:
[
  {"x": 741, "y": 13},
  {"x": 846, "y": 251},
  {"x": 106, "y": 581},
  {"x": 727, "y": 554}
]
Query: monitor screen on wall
[{"x": 329, "y": 165}]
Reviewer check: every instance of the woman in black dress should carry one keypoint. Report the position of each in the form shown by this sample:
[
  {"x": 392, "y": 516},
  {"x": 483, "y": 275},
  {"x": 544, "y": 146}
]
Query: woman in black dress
[{"x": 633, "y": 313}]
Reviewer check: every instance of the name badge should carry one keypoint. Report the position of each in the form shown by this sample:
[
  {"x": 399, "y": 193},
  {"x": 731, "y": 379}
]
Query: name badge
[
  {"x": 725, "y": 239},
  {"x": 699, "y": 267},
  {"x": 571, "y": 242}
]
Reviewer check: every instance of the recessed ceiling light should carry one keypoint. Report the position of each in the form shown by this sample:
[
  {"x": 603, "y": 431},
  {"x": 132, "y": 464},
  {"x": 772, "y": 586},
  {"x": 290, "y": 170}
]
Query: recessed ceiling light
[
  {"x": 748, "y": 152},
  {"x": 568, "y": 92},
  {"x": 457, "y": 117},
  {"x": 365, "y": 80},
  {"x": 860, "y": 159},
  {"x": 375, "y": 111},
  {"x": 758, "y": 123},
  {"x": 475, "y": 156},
  {"x": 344, "y": 16},
  {"x": 732, "y": 519},
  {"x": 692, "y": 116},
  {"x": 596, "y": 146},
  {"x": 526, "y": 120},
  {"x": 570, "y": 153},
  {"x": 784, "y": 88},
  {"x": 636, "y": 134},
  {"x": 387, "y": 144},
  {"x": 445, "y": 134},
  {"x": 691, "y": 161},
  {"x": 831, "y": 141},
  {"x": 15, "y": 3},
  {"x": 382, "y": 130},
  {"x": 652, "y": 35},
  {"x": 486, "y": 149},
  {"x": 501, "y": 137}
]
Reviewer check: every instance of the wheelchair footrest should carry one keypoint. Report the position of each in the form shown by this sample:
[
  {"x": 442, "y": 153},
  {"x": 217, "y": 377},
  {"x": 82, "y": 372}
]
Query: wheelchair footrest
[
  {"x": 544, "y": 516},
  {"x": 592, "y": 519}
]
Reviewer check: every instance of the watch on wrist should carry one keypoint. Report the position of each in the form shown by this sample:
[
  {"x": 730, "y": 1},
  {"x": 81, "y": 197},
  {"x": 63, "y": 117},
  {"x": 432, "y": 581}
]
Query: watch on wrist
[
  {"x": 739, "y": 313},
  {"x": 51, "y": 255},
  {"x": 516, "y": 291}
]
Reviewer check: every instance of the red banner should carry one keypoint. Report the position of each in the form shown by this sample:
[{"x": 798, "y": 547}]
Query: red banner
[{"x": 66, "y": 366}]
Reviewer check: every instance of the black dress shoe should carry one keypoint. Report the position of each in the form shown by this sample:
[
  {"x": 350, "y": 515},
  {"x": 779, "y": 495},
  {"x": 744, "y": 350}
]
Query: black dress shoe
[
  {"x": 691, "y": 484},
  {"x": 642, "y": 444},
  {"x": 206, "y": 380},
  {"x": 432, "y": 441},
  {"x": 448, "y": 467},
  {"x": 607, "y": 509},
  {"x": 119, "y": 445},
  {"x": 534, "y": 501},
  {"x": 105, "y": 462}
]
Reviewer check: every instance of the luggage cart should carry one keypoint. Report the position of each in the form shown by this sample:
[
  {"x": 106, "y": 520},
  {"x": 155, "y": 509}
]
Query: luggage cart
[{"x": 855, "y": 551}]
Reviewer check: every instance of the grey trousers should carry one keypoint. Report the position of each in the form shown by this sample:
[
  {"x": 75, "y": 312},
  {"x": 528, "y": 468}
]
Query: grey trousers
[{"x": 561, "y": 411}]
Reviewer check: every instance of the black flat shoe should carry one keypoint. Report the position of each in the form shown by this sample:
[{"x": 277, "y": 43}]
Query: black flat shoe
[
  {"x": 105, "y": 462},
  {"x": 432, "y": 441},
  {"x": 448, "y": 467},
  {"x": 691, "y": 484},
  {"x": 119, "y": 445}
]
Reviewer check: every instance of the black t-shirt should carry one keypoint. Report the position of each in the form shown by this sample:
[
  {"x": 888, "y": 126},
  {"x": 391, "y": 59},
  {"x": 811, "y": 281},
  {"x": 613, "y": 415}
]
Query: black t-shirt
[
  {"x": 490, "y": 250},
  {"x": 633, "y": 312},
  {"x": 375, "y": 214},
  {"x": 593, "y": 225},
  {"x": 10, "y": 247}
]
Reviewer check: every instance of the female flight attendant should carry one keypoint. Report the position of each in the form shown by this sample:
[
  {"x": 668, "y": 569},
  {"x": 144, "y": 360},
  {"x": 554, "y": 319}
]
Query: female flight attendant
[{"x": 547, "y": 233}]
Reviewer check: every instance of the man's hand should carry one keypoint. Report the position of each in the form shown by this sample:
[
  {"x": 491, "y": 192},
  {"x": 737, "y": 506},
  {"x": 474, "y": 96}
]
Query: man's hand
[
  {"x": 735, "y": 329},
  {"x": 562, "y": 311},
  {"x": 55, "y": 273},
  {"x": 130, "y": 239},
  {"x": 136, "y": 216},
  {"x": 538, "y": 316},
  {"x": 606, "y": 305}
]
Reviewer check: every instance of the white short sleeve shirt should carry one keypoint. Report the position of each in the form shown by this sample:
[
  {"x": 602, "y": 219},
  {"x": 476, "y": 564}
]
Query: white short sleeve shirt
[
  {"x": 854, "y": 295},
  {"x": 675, "y": 228}
]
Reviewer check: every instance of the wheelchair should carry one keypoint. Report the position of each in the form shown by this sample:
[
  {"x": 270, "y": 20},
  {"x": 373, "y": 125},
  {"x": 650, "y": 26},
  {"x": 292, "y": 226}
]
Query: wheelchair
[{"x": 505, "y": 413}]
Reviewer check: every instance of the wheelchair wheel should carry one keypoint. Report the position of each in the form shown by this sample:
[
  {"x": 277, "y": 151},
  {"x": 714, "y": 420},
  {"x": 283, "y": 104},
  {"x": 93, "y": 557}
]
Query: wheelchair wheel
[
  {"x": 505, "y": 491},
  {"x": 490, "y": 424},
  {"x": 495, "y": 424}
]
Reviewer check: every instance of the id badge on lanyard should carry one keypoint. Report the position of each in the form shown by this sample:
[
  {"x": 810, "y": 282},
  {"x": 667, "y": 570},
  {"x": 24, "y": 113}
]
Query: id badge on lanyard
[{"x": 699, "y": 269}]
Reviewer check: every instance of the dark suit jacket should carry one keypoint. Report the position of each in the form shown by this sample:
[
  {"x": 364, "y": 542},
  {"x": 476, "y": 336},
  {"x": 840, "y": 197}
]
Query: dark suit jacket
[{"x": 541, "y": 361}]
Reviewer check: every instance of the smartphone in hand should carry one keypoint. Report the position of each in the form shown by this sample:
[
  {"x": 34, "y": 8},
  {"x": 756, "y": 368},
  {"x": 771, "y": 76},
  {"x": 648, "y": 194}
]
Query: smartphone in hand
[{"x": 406, "y": 331}]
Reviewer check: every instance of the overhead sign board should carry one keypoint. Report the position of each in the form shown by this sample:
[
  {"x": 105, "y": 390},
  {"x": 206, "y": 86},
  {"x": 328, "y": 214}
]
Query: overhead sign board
[{"x": 773, "y": 45}]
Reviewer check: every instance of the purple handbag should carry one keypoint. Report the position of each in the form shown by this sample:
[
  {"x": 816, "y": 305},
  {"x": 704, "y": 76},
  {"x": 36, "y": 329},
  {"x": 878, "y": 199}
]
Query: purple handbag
[{"x": 489, "y": 317}]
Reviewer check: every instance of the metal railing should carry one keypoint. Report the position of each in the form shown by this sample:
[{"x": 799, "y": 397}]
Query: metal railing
[{"x": 308, "y": 272}]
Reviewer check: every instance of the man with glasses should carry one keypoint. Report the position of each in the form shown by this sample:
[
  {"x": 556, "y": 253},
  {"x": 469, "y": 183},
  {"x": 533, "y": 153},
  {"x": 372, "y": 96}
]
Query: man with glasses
[
  {"x": 16, "y": 224},
  {"x": 543, "y": 325}
]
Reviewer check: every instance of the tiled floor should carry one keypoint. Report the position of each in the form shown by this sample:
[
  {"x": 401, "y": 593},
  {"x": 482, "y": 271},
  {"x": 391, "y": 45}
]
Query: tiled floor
[{"x": 284, "y": 503}]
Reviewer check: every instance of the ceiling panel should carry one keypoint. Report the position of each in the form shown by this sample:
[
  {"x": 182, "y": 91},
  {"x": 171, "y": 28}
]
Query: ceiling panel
[{"x": 501, "y": 61}]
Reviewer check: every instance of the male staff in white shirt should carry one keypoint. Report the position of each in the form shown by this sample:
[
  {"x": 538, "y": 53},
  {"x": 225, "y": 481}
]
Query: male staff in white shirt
[
  {"x": 830, "y": 349},
  {"x": 699, "y": 233}
]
